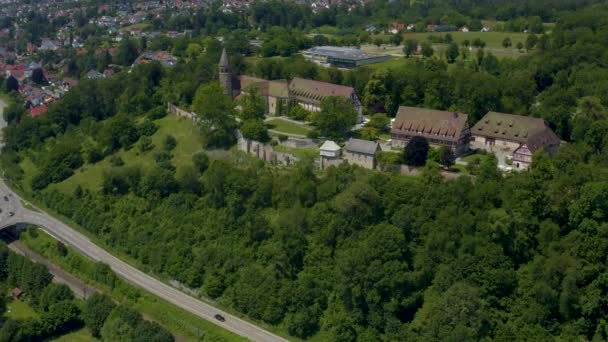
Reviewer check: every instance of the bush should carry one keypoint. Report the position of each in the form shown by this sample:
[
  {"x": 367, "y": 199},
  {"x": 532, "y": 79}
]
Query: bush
[
  {"x": 314, "y": 134},
  {"x": 255, "y": 130},
  {"x": 94, "y": 155},
  {"x": 145, "y": 145},
  {"x": 200, "y": 161},
  {"x": 157, "y": 113},
  {"x": 116, "y": 161},
  {"x": 61, "y": 249},
  {"x": 388, "y": 161},
  {"x": 299, "y": 113},
  {"x": 169, "y": 143},
  {"x": 147, "y": 128}
]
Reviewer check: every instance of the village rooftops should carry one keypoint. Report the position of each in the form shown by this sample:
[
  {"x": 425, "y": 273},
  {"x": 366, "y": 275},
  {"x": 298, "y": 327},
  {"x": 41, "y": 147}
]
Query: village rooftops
[
  {"x": 430, "y": 123},
  {"x": 362, "y": 146},
  {"x": 533, "y": 132}
]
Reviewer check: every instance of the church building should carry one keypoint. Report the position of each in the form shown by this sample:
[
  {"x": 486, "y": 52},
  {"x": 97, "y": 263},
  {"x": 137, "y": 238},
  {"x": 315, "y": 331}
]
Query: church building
[{"x": 280, "y": 95}]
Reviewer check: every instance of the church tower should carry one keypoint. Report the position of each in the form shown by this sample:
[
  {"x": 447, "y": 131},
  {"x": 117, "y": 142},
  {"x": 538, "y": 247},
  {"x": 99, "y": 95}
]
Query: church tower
[{"x": 225, "y": 76}]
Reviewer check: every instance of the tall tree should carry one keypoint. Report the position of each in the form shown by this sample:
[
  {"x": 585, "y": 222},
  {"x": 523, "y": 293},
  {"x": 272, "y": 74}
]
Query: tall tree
[
  {"x": 12, "y": 84},
  {"x": 252, "y": 104},
  {"x": 336, "y": 117},
  {"x": 446, "y": 156},
  {"x": 416, "y": 151},
  {"x": 427, "y": 49},
  {"x": 216, "y": 115},
  {"x": 96, "y": 310},
  {"x": 452, "y": 52},
  {"x": 410, "y": 47},
  {"x": 38, "y": 76}
]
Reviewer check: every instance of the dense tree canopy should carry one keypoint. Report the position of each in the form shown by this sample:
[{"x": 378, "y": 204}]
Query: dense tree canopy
[{"x": 347, "y": 254}]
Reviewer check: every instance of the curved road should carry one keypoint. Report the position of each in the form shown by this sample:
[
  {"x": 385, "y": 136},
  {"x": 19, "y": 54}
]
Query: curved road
[
  {"x": 13, "y": 212},
  {"x": 10, "y": 202}
]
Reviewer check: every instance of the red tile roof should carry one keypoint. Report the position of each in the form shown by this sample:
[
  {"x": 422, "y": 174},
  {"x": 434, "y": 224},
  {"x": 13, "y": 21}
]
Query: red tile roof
[
  {"x": 37, "y": 111},
  {"x": 314, "y": 91}
]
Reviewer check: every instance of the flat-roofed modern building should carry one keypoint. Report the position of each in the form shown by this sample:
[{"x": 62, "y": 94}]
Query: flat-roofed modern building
[{"x": 341, "y": 57}]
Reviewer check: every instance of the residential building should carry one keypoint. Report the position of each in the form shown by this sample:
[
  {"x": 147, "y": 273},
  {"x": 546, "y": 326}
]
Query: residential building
[
  {"x": 361, "y": 152},
  {"x": 440, "y": 128},
  {"x": 95, "y": 75},
  {"x": 163, "y": 57},
  {"x": 341, "y": 57},
  {"x": 39, "y": 110},
  {"x": 513, "y": 138},
  {"x": 48, "y": 44}
]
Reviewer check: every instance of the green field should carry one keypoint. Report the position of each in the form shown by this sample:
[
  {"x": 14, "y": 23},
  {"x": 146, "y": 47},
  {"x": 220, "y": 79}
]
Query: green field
[
  {"x": 18, "y": 309},
  {"x": 492, "y": 39},
  {"x": 176, "y": 320},
  {"x": 82, "y": 335},
  {"x": 90, "y": 176},
  {"x": 287, "y": 127},
  {"x": 493, "y": 42}
]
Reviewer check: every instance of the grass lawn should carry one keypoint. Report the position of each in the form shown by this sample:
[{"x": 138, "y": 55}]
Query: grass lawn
[
  {"x": 287, "y": 127},
  {"x": 18, "y": 309},
  {"x": 302, "y": 153},
  {"x": 492, "y": 39},
  {"x": 82, "y": 335},
  {"x": 188, "y": 143},
  {"x": 472, "y": 157},
  {"x": 493, "y": 43}
]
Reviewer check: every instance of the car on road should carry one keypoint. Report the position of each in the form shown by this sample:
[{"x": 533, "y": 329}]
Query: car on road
[
  {"x": 11, "y": 214},
  {"x": 219, "y": 317},
  {"x": 6, "y": 198}
]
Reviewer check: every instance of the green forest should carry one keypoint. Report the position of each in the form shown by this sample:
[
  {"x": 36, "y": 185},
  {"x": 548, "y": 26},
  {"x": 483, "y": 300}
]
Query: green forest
[
  {"x": 39, "y": 309},
  {"x": 349, "y": 254}
]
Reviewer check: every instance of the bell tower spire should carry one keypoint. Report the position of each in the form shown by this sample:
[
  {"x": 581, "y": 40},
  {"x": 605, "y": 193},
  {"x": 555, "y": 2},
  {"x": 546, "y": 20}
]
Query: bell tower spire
[{"x": 224, "y": 74}]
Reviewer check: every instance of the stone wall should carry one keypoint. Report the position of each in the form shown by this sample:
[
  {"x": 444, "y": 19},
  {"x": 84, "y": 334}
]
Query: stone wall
[
  {"x": 175, "y": 110},
  {"x": 265, "y": 152}
]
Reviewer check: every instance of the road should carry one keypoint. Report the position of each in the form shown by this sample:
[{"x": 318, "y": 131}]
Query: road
[
  {"x": 10, "y": 202},
  {"x": 13, "y": 212}
]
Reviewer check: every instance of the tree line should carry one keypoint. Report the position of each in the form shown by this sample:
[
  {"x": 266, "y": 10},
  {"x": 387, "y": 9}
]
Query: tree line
[{"x": 59, "y": 313}]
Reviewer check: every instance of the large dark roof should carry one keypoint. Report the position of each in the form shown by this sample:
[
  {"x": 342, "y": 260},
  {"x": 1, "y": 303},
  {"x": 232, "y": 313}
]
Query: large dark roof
[
  {"x": 430, "y": 123},
  {"x": 362, "y": 146},
  {"x": 315, "y": 91},
  {"x": 533, "y": 132}
]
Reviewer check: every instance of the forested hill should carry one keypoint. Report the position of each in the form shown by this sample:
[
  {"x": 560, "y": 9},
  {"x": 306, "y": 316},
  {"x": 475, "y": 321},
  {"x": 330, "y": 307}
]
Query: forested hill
[{"x": 350, "y": 254}]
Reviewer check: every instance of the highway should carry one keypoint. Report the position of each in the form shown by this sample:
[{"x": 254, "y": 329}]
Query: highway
[{"x": 10, "y": 202}]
